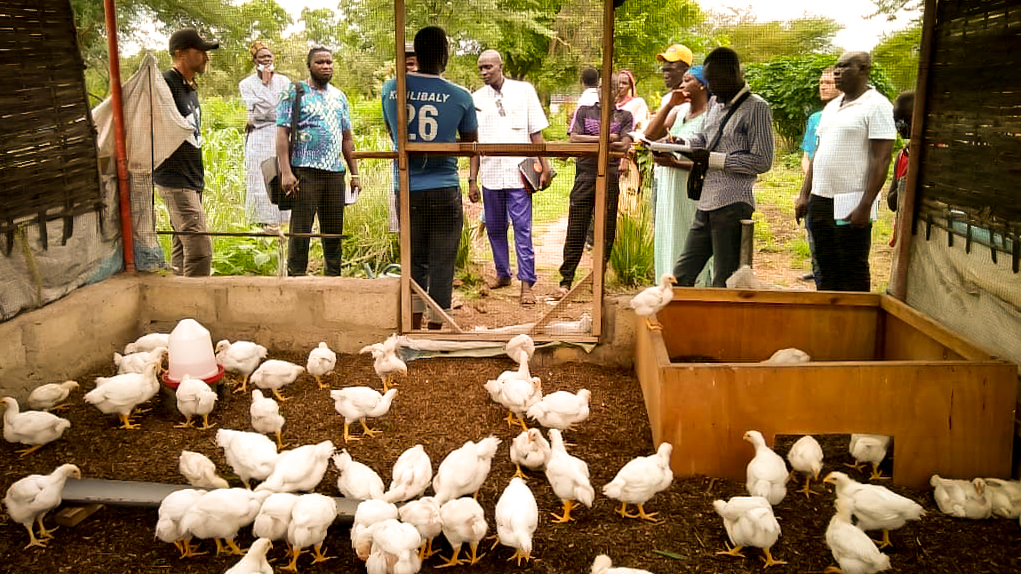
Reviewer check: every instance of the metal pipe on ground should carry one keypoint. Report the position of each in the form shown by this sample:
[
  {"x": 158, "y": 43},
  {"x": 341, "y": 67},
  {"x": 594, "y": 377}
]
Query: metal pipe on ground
[{"x": 747, "y": 242}]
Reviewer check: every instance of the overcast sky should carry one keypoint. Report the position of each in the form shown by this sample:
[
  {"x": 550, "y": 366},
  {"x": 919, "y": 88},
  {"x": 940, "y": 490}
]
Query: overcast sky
[{"x": 859, "y": 33}]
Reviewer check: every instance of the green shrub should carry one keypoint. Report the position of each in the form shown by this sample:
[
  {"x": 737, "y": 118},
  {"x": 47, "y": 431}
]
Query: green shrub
[{"x": 632, "y": 258}]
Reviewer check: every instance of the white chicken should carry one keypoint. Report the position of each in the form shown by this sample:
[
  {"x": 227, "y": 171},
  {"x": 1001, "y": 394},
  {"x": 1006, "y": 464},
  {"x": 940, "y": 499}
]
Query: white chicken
[
  {"x": 465, "y": 469},
  {"x": 639, "y": 480},
  {"x": 321, "y": 362},
  {"x": 250, "y": 454},
  {"x": 397, "y": 543},
  {"x": 853, "y": 550},
  {"x": 463, "y": 521},
  {"x": 254, "y": 561},
  {"x": 30, "y": 498},
  {"x": 300, "y": 469},
  {"x": 517, "y": 516},
  {"x": 136, "y": 362},
  {"x": 424, "y": 515},
  {"x": 266, "y": 417},
  {"x": 603, "y": 565},
  {"x": 172, "y": 509},
  {"x": 561, "y": 410},
  {"x": 876, "y": 507},
  {"x": 367, "y": 513},
  {"x": 518, "y": 393},
  {"x": 531, "y": 450},
  {"x": 274, "y": 516},
  {"x": 120, "y": 395},
  {"x": 520, "y": 343},
  {"x": 1004, "y": 496},
  {"x": 356, "y": 480},
  {"x": 652, "y": 300},
  {"x": 569, "y": 477},
  {"x": 274, "y": 374},
  {"x": 147, "y": 343},
  {"x": 749, "y": 521},
  {"x": 412, "y": 473},
  {"x": 194, "y": 397},
  {"x": 35, "y": 429},
  {"x": 806, "y": 457},
  {"x": 356, "y": 404},
  {"x": 387, "y": 363},
  {"x": 49, "y": 397},
  {"x": 961, "y": 498},
  {"x": 788, "y": 356},
  {"x": 871, "y": 449},
  {"x": 219, "y": 514},
  {"x": 241, "y": 357},
  {"x": 311, "y": 517},
  {"x": 199, "y": 471},
  {"x": 766, "y": 473}
]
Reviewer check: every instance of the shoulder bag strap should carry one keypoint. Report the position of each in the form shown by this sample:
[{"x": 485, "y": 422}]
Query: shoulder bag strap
[
  {"x": 726, "y": 118},
  {"x": 299, "y": 91}
]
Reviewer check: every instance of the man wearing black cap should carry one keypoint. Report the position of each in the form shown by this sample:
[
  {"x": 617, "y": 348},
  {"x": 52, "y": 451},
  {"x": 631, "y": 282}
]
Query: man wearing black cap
[{"x": 181, "y": 178}]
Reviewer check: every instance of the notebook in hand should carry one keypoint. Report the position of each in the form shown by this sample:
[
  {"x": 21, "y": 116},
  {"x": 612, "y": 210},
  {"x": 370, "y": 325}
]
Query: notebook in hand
[{"x": 530, "y": 170}]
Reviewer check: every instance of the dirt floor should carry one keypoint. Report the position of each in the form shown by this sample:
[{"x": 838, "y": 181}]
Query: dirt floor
[{"x": 440, "y": 405}]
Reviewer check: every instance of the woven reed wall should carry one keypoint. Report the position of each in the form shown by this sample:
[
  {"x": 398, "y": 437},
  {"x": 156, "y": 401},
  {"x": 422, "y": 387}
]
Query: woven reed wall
[
  {"x": 48, "y": 166},
  {"x": 971, "y": 154}
]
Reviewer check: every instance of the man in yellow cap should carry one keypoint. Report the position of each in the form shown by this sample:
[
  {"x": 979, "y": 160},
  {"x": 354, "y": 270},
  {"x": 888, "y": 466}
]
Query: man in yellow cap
[{"x": 673, "y": 64}]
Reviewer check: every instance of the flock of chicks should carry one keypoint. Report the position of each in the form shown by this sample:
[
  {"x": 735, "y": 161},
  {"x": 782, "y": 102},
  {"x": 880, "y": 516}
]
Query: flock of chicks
[
  {"x": 749, "y": 520},
  {"x": 390, "y": 539}
]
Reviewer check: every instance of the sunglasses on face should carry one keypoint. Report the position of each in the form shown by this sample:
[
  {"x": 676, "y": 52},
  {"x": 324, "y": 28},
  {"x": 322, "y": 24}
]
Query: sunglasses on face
[{"x": 499, "y": 107}]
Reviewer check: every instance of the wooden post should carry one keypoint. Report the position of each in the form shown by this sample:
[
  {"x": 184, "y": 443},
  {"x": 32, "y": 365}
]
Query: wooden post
[
  {"x": 599, "y": 254},
  {"x": 899, "y": 281},
  {"x": 404, "y": 195}
]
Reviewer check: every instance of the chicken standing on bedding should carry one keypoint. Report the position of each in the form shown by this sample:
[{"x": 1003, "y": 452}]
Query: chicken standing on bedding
[
  {"x": 463, "y": 521},
  {"x": 569, "y": 477},
  {"x": 518, "y": 391},
  {"x": 465, "y": 469},
  {"x": 120, "y": 394},
  {"x": 220, "y": 514},
  {"x": 356, "y": 480},
  {"x": 274, "y": 374},
  {"x": 517, "y": 517},
  {"x": 35, "y": 429},
  {"x": 136, "y": 362},
  {"x": 424, "y": 515},
  {"x": 767, "y": 472},
  {"x": 603, "y": 565},
  {"x": 254, "y": 561},
  {"x": 30, "y": 498},
  {"x": 194, "y": 397},
  {"x": 147, "y": 343},
  {"x": 749, "y": 521},
  {"x": 853, "y": 550},
  {"x": 49, "y": 397},
  {"x": 300, "y": 469},
  {"x": 274, "y": 517},
  {"x": 367, "y": 513},
  {"x": 199, "y": 471},
  {"x": 311, "y": 516},
  {"x": 871, "y": 449},
  {"x": 356, "y": 404},
  {"x": 241, "y": 357},
  {"x": 387, "y": 363},
  {"x": 520, "y": 343},
  {"x": 531, "y": 450},
  {"x": 250, "y": 454},
  {"x": 639, "y": 480},
  {"x": 321, "y": 362},
  {"x": 806, "y": 457},
  {"x": 561, "y": 410},
  {"x": 876, "y": 507},
  {"x": 961, "y": 498},
  {"x": 412, "y": 473},
  {"x": 397, "y": 543},
  {"x": 172, "y": 509},
  {"x": 266, "y": 417},
  {"x": 653, "y": 300}
]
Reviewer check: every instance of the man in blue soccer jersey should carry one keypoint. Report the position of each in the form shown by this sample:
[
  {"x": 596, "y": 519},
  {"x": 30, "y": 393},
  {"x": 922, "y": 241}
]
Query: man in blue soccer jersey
[{"x": 438, "y": 111}]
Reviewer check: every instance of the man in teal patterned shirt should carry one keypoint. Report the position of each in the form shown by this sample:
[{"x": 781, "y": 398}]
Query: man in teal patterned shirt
[{"x": 314, "y": 171}]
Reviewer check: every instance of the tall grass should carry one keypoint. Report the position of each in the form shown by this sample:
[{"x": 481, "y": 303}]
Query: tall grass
[{"x": 632, "y": 258}]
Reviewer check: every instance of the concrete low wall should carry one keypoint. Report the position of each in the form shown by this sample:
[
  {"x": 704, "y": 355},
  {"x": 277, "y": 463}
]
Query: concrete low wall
[{"x": 82, "y": 331}]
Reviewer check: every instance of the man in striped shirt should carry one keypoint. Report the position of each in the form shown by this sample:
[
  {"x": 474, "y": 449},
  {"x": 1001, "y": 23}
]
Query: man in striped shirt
[{"x": 742, "y": 152}]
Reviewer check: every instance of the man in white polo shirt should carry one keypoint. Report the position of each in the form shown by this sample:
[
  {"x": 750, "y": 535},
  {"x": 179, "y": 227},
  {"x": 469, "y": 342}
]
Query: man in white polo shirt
[
  {"x": 856, "y": 134},
  {"x": 509, "y": 112}
]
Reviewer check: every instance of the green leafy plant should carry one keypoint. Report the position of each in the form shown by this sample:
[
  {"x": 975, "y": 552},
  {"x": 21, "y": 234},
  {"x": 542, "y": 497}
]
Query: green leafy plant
[{"x": 632, "y": 258}]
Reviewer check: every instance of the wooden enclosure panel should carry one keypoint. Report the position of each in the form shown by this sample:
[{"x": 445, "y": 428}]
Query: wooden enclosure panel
[
  {"x": 911, "y": 335},
  {"x": 955, "y": 419},
  {"x": 650, "y": 353},
  {"x": 749, "y": 326}
]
